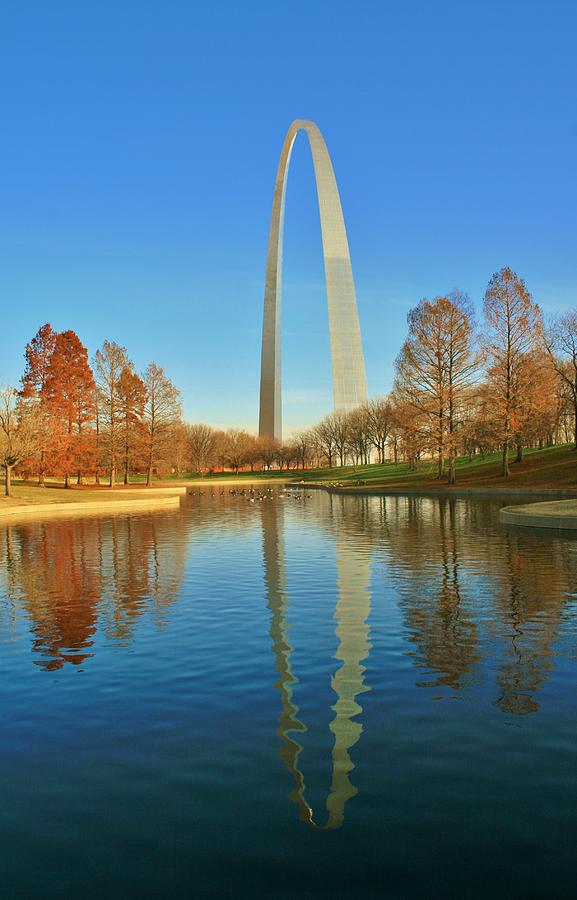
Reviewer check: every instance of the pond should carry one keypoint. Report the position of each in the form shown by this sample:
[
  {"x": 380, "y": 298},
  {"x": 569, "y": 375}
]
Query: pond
[{"x": 301, "y": 695}]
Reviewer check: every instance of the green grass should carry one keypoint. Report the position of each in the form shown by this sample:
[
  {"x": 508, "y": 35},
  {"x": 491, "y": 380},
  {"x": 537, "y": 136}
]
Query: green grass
[{"x": 554, "y": 467}]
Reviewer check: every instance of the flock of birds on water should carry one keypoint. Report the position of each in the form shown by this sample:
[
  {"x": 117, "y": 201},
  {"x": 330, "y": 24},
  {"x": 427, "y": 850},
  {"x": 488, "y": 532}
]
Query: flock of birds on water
[{"x": 255, "y": 495}]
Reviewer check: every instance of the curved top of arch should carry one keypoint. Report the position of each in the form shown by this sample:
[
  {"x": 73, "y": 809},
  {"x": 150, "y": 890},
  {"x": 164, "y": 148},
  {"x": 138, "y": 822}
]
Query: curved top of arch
[{"x": 349, "y": 380}]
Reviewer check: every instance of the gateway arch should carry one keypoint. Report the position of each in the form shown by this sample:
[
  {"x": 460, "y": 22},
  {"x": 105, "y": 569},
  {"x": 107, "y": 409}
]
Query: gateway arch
[{"x": 349, "y": 380}]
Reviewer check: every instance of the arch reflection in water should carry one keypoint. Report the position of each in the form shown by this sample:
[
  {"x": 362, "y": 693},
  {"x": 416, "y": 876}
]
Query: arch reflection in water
[{"x": 351, "y": 614}]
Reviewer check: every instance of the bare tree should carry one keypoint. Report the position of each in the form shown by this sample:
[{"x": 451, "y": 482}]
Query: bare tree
[
  {"x": 337, "y": 423},
  {"x": 303, "y": 448},
  {"x": 109, "y": 365},
  {"x": 267, "y": 448},
  {"x": 202, "y": 446},
  {"x": 561, "y": 345},
  {"x": 18, "y": 433},
  {"x": 325, "y": 439},
  {"x": 379, "y": 413}
]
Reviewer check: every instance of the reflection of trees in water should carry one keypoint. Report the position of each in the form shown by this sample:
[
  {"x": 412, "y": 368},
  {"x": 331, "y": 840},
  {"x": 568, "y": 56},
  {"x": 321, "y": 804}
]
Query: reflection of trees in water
[
  {"x": 461, "y": 580},
  {"x": 54, "y": 571},
  {"x": 351, "y": 613},
  {"x": 143, "y": 561},
  {"x": 439, "y": 549},
  {"x": 531, "y": 604},
  {"x": 67, "y": 573},
  {"x": 469, "y": 591},
  {"x": 440, "y": 624}
]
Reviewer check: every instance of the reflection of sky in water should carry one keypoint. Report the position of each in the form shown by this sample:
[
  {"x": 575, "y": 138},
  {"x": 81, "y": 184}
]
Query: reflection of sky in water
[{"x": 409, "y": 659}]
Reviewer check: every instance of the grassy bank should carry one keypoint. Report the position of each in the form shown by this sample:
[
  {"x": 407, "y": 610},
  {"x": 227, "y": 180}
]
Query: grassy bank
[{"x": 555, "y": 467}]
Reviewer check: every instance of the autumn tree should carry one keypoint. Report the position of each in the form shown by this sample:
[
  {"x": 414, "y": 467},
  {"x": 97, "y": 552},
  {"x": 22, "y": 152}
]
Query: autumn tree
[
  {"x": 18, "y": 433},
  {"x": 38, "y": 353},
  {"x": 409, "y": 439},
  {"x": 267, "y": 449},
  {"x": 285, "y": 456},
  {"x": 131, "y": 395},
  {"x": 69, "y": 395},
  {"x": 513, "y": 329},
  {"x": 179, "y": 448},
  {"x": 161, "y": 412},
  {"x": 434, "y": 370},
  {"x": 237, "y": 446},
  {"x": 109, "y": 364}
]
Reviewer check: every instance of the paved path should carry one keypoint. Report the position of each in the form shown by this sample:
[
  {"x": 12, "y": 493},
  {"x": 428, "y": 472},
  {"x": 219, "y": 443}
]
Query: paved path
[{"x": 39, "y": 510}]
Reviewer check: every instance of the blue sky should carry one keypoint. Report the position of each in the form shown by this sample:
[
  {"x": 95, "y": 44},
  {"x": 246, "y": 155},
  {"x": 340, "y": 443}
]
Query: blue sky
[{"x": 139, "y": 147}]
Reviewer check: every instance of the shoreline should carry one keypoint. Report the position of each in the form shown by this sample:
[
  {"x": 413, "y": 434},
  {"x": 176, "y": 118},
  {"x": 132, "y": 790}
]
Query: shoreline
[
  {"x": 89, "y": 506},
  {"x": 457, "y": 492},
  {"x": 558, "y": 516}
]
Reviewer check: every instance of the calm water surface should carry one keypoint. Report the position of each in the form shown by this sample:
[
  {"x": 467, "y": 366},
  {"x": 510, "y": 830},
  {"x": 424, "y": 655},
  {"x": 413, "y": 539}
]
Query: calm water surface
[{"x": 309, "y": 695}]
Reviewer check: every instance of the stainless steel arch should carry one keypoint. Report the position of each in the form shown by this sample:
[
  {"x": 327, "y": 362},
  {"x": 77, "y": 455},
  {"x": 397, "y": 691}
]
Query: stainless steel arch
[{"x": 349, "y": 380}]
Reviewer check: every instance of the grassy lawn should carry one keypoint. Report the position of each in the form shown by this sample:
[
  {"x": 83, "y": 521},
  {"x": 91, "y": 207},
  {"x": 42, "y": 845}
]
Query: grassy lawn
[{"x": 555, "y": 467}]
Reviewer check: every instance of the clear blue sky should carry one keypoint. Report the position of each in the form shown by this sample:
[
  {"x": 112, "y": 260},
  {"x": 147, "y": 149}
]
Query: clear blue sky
[{"x": 139, "y": 144}]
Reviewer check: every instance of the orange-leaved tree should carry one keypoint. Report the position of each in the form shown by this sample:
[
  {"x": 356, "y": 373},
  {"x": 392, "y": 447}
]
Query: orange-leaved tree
[
  {"x": 434, "y": 372},
  {"x": 69, "y": 395},
  {"x": 38, "y": 354},
  {"x": 513, "y": 331}
]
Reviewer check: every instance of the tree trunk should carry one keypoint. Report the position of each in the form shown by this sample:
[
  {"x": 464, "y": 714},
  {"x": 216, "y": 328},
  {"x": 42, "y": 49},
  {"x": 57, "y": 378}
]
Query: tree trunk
[
  {"x": 441, "y": 464},
  {"x": 66, "y": 483},
  {"x": 519, "y": 457},
  {"x": 505, "y": 466},
  {"x": 451, "y": 476},
  {"x": 112, "y": 481},
  {"x": 126, "y": 470},
  {"x": 149, "y": 476},
  {"x": 78, "y": 478},
  {"x": 8, "y": 488}
]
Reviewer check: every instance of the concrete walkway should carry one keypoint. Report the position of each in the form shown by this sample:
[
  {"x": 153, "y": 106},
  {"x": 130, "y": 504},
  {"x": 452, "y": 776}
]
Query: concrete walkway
[
  {"x": 40, "y": 510},
  {"x": 559, "y": 515}
]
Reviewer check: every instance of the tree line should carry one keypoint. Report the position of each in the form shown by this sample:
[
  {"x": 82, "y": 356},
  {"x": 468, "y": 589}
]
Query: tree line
[
  {"x": 464, "y": 387},
  {"x": 73, "y": 418},
  {"x": 461, "y": 387}
]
